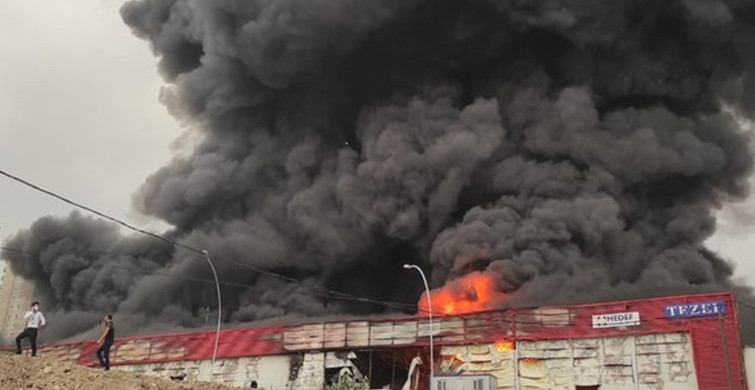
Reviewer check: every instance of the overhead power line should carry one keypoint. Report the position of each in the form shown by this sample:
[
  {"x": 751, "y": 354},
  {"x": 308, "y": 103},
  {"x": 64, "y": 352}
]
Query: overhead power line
[
  {"x": 98, "y": 213},
  {"x": 157, "y": 273},
  {"x": 745, "y": 303},
  {"x": 339, "y": 296},
  {"x": 335, "y": 294}
]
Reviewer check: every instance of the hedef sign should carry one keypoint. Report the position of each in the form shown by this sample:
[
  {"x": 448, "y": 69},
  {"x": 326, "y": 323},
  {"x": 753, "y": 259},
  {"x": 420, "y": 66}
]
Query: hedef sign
[
  {"x": 615, "y": 320},
  {"x": 697, "y": 309}
]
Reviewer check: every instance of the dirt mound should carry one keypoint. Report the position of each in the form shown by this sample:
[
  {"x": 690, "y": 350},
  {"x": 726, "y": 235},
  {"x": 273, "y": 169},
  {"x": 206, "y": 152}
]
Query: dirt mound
[{"x": 25, "y": 372}]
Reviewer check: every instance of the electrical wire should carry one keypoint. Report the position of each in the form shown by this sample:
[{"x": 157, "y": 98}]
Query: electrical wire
[
  {"x": 166, "y": 240},
  {"x": 339, "y": 294},
  {"x": 327, "y": 290},
  {"x": 745, "y": 303},
  {"x": 100, "y": 214},
  {"x": 396, "y": 305},
  {"x": 157, "y": 273}
]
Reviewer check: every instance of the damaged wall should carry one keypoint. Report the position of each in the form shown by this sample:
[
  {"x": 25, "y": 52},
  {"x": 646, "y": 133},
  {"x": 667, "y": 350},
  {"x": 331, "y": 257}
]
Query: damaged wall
[
  {"x": 654, "y": 361},
  {"x": 488, "y": 359},
  {"x": 652, "y": 342},
  {"x": 270, "y": 372}
]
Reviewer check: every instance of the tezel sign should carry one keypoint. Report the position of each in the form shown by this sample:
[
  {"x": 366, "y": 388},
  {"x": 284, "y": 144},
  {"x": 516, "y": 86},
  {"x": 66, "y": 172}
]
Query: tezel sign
[
  {"x": 697, "y": 309},
  {"x": 615, "y": 320}
]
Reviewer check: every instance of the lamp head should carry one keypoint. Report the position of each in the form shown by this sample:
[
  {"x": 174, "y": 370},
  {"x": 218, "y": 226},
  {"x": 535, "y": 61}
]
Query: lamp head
[{"x": 407, "y": 266}]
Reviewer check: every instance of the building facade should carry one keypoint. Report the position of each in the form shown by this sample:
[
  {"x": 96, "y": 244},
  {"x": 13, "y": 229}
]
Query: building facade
[
  {"x": 16, "y": 293},
  {"x": 675, "y": 343}
]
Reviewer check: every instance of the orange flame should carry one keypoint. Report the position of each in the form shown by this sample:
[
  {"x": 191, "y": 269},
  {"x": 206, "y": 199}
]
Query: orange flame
[
  {"x": 529, "y": 360},
  {"x": 504, "y": 345},
  {"x": 471, "y": 293}
]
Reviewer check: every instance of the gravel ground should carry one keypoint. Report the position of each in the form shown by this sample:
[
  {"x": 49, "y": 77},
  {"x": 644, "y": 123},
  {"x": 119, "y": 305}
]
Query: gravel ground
[{"x": 26, "y": 372}]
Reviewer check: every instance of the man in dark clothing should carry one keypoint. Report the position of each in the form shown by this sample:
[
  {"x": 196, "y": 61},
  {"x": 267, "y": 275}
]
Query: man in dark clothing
[
  {"x": 106, "y": 341},
  {"x": 33, "y": 321}
]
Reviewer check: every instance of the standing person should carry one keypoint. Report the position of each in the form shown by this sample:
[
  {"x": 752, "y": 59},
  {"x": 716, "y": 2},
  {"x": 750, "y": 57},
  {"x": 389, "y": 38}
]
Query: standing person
[
  {"x": 106, "y": 341},
  {"x": 34, "y": 320}
]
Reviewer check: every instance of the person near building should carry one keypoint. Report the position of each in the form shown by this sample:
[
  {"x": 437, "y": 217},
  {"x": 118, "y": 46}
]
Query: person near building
[
  {"x": 34, "y": 320},
  {"x": 106, "y": 341}
]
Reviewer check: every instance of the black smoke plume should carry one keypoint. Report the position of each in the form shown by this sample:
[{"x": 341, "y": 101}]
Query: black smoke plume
[{"x": 574, "y": 149}]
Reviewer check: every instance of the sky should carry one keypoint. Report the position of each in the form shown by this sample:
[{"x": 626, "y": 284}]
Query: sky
[
  {"x": 79, "y": 110},
  {"x": 79, "y": 114}
]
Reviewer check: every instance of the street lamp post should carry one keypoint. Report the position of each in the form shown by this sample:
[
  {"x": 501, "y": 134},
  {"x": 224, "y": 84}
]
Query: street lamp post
[
  {"x": 429, "y": 315},
  {"x": 220, "y": 305}
]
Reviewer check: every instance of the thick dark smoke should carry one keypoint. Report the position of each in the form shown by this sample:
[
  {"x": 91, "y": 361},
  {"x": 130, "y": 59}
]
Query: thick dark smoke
[{"x": 575, "y": 149}]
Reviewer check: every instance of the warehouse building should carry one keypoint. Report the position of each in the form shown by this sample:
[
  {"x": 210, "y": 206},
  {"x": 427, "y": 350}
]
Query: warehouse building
[{"x": 675, "y": 343}]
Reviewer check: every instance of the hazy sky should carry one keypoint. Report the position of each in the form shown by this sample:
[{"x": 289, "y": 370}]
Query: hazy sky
[
  {"x": 79, "y": 114},
  {"x": 79, "y": 110}
]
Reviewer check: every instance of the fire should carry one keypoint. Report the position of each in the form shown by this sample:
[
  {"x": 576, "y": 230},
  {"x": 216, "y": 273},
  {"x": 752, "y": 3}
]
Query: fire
[
  {"x": 471, "y": 293},
  {"x": 529, "y": 360},
  {"x": 504, "y": 345}
]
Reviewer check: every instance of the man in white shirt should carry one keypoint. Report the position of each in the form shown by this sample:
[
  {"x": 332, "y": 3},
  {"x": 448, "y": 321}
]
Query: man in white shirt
[{"x": 34, "y": 320}]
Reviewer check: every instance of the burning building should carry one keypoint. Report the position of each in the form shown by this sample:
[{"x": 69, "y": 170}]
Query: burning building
[
  {"x": 674, "y": 343},
  {"x": 526, "y": 153},
  {"x": 560, "y": 151}
]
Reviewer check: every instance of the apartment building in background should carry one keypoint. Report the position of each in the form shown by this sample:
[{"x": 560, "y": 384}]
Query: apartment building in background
[{"x": 16, "y": 293}]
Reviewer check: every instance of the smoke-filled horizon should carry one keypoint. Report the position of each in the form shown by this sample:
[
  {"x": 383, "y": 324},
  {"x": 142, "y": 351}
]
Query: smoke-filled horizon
[{"x": 572, "y": 150}]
